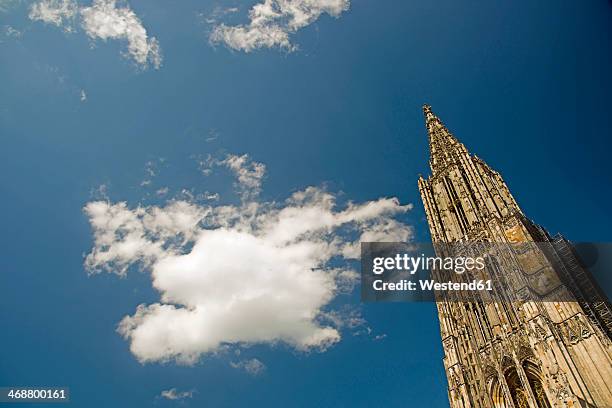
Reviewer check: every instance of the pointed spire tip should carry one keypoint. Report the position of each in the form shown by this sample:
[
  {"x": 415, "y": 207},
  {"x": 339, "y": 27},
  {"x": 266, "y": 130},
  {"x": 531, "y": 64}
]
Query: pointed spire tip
[{"x": 429, "y": 115}]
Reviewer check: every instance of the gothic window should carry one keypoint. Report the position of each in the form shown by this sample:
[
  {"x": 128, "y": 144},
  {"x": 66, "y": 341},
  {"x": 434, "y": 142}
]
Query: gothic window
[
  {"x": 498, "y": 396},
  {"x": 456, "y": 209},
  {"x": 535, "y": 382},
  {"x": 519, "y": 395},
  {"x": 498, "y": 276}
]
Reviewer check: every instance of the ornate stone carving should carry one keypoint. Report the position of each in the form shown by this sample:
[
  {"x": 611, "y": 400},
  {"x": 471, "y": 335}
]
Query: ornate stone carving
[
  {"x": 559, "y": 387},
  {"x": 489, "y": 372},
  {"x": 574, "y": 330}
]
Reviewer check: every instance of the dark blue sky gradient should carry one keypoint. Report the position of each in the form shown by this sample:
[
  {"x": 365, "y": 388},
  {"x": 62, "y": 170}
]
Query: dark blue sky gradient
[{"x": 525, "y": 85}]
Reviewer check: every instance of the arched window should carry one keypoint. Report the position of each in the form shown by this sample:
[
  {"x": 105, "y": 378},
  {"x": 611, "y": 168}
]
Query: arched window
[
  {"x": 497, "y": 395},
  {"x": 519, "y": 395},
  {"x": 535, "y": 382}
]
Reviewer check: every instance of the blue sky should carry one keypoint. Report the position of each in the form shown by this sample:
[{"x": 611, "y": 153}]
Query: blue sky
[{"x": 525, "y": 85}]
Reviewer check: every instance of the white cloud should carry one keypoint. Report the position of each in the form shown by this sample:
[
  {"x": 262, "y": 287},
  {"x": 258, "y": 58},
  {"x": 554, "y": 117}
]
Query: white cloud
[
  {"x": 10, "y": 32},
  {"x": 380, "y": 337},
  {"x": 103, "y": 20},
  {"x": 124, "y": 236},
  {"x": 248, "y": 173},
  {"x": 100, "y": 192},
  {"x": 347, "y": 317},
  {"x": 210, "y": 196},
  {"x": 83, "y": 95},
  {"x": 206, "y": 164},
  {"x": 253, "y": 366},
  {"x": 174, "y": 394},
  {"x": 150, "y": 173},
  {"x": 273, "y": 21},
  {"x": 217, "y": 12},
  {"x": 56, "y": 12},
  {"x": 260, "y": 272},
  {"x": 212, "y": 136}
]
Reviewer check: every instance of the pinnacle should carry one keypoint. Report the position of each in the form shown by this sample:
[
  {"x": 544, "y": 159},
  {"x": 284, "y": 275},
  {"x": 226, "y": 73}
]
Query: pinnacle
[
  {"x": 429, "y": 115},
  {"x": 442, "y": 144}
]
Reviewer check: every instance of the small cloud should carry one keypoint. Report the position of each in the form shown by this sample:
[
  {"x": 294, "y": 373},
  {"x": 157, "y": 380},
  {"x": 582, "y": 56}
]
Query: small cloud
[
  {"x": 173, "y": 394},
  {"x": 379, "y": 337},
  {"x": 210, "y": 196},
  {"x": 206, "y": 164},
  {"x": 218, "y": 12},
  {"x": 105, "y": 21},
  {"x": 212, "y": 136},
  {"x": 12, "y": 32},
  {"x": 102, "y": 20},
  {"x": 190, "y": 196},
  {"x": 151, "y": 170},
  {"x": 83, "y": 96},
  {"x": 100, "y": 193},
  {"x": 253, "y": 366},
  {"x": 249, "y": 174},
  {"x": 347, "y": 317},
  {"x": 273, "y": 21},
  {"x": 162, "y": 191},
  {"x": 60, "y": 13}
]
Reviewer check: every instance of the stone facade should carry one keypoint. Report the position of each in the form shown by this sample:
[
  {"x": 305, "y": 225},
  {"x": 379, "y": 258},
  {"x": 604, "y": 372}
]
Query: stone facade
[{"x": 528, "y": 347}]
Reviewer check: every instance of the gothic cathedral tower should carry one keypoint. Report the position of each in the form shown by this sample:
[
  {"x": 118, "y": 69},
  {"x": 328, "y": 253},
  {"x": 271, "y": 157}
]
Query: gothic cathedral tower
[{"x": 526, "y": 348}]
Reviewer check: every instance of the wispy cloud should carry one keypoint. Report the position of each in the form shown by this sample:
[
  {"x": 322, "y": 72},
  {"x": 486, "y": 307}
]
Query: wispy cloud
[
  {"x": 151, "y": 170},
  {"x": 60, "y": 13},
  {"x": 236, "y": 275},
  {"x": 217, "y": 13},
  {"x": 272, "y": 22},
  {"x": 249, "y": 174},
  {"x": 102, "y": 20},
  {"x": 162, "y": 191},
  {"x": 253, "y": 366},
  {"x": 174, "y": 394},
  {"x": 10, "y": 32}
]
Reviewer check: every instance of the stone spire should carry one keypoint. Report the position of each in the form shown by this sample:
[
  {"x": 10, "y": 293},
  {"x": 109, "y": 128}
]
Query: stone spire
[
  {"x": 463, "y": 193},
  {"x": 443, "y": 146},
  {"x": 516, "y": 346}
]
